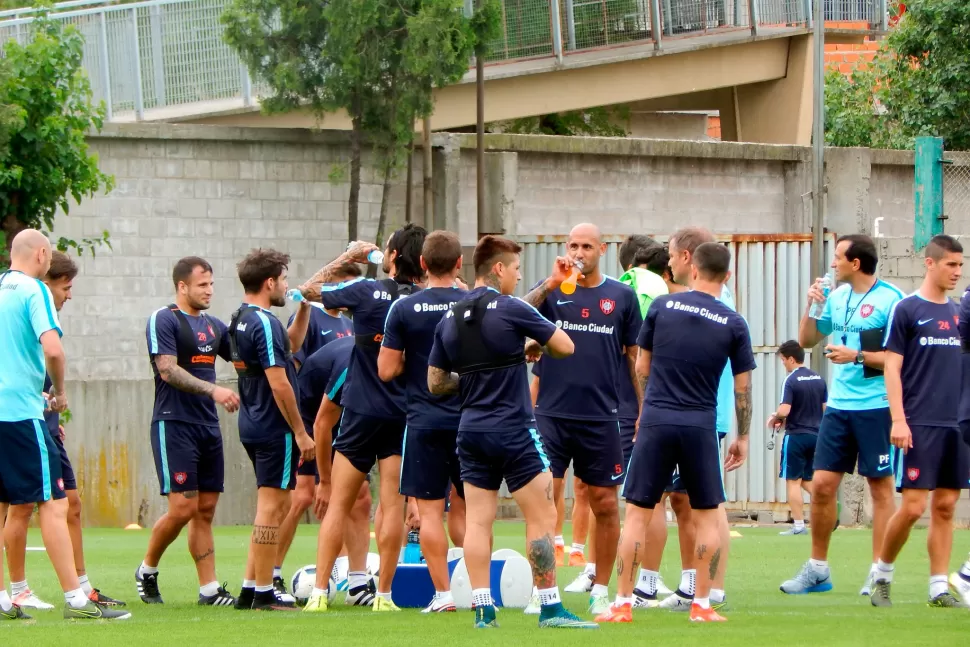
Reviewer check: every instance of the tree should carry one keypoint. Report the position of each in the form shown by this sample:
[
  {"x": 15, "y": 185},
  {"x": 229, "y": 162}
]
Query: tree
[
  {"x": 378, "y": 60},
  {"x": 917, "y": 84},
  {"x": 595, "y": 122},
  {"x": 45, "y": 115}
]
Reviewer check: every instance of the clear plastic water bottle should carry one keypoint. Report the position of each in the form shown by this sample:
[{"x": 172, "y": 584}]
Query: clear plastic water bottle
[
  {"x": 295, "y": 295},
  {"x": 815, "y": 312},
  {"x": 375, "y": 256}
]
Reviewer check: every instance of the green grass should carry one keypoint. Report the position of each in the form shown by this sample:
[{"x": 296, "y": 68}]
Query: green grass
[{"x": 759, "y": 613}]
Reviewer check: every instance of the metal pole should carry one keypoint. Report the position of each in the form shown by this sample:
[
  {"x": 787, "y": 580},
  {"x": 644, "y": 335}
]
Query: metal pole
[
  {"x": 556, "y": 29},
  {"x": 571, "y": 25},
  {"x": 753, "y": 16},
  {"x": 480, "y": 134},
  {"x": 818, "y": 156},
  {"x": 106, "y": 67},
  {"x": 656, "y": 26},
  {"x": 426, "y": 171},
  {"x": 139, "y": 97}
]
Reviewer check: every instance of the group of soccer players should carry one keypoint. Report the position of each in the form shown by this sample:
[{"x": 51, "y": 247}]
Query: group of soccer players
[{"x": 633, "y": 382}]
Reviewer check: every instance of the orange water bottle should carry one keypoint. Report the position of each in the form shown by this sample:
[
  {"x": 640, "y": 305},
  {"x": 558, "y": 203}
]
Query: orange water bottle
[{"x": 569, "y": 285}]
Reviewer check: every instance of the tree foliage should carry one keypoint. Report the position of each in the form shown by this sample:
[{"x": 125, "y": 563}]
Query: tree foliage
[
  {"x": 917, "y": 85},
  {"x": 594, "y": 122},
  {"x": 45, "y": 115}
]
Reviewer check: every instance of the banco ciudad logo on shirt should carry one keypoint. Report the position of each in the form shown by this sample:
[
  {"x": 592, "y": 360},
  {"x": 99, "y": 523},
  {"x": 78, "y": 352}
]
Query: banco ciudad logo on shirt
[{"x": 694, "y": 310}]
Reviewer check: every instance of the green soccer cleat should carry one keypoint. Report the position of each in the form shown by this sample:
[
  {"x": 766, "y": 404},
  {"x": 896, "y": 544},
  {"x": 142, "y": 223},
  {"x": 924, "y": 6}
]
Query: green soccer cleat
[
  {"x": 485, "y": 618},
  {"x": 946, "y": 599},
  {"x": 880, "y": 594},
  {"x": 15, "y": 613},
  {"x": 558, "y": 618},
  {"x": 599, "y": 604},
  {"x": 92, "y": 611}
]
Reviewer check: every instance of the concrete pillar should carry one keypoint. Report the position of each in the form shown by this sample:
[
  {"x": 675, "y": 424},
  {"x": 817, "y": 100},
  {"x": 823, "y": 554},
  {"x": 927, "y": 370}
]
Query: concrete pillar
[
  {"x": 501, "y": 186},
  {"x": 798, "y": 183},
  {"x": 847, "y": 174},
  {"x": 445, "y": 177}
]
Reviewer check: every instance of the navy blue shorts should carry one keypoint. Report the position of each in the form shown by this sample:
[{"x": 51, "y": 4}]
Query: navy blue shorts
[
  {"x": 486, "y": 457},
  {"x": 628, "y": 429},
  {"x": 30, "y": 464},
  {"x": 309, "y": 468},
  {"x": 593, "y": 446},
  {"x": 67, "y": 470},
  {"x": 797, "y": 457},
  {"x": 364, "y": 440},
  {"x": 429, "y": 464},
  {"x": 188, "y": 457},
  {"x": 660, "y": 449},
  {"x": 275, "y": 461},
  {"x": 675, "y": 484},
  {"x": 938, "y": 459},
  {"x": 965, "y": 430},
  {"x": 847, "y": 436}
]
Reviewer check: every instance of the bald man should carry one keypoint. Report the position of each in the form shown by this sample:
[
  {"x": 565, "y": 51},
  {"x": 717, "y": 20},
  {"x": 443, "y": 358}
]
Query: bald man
[
  {"x": 30, "y": 463},
  {"x": 578, "y": 399}
]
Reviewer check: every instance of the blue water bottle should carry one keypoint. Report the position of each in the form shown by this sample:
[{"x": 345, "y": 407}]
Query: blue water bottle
[{"x": 412, "y": 552}]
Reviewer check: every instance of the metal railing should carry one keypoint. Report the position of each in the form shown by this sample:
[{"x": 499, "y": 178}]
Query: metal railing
[{"x": 167, "y": 53}]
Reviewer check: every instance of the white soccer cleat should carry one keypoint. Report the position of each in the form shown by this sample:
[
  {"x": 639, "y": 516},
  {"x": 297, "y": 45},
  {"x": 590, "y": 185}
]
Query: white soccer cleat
[
  {"x": 534, "y": 607},
  {"x": 582, "y": 584},
  {"x": 866, "y": 589},
  {"x": 662, "y": 588},
  {"x": 676, "y": 602},
  {"x": 27, "y": 600},
  {"x": 961, "y": 585}
]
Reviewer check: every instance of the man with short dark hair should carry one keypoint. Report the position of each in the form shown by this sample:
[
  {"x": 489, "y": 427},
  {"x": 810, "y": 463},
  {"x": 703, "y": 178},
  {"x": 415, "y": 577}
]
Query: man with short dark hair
[
  {"x": 800, "y": 413},
  {"x": 856, "y": 423},
  {"x": 183, "y": 342},
  {"x": 923, "y": 372},
  {"x": 429, "y": 462},
  {"x": 633, "y": 245},
  {"x": 270, "y": 426}
]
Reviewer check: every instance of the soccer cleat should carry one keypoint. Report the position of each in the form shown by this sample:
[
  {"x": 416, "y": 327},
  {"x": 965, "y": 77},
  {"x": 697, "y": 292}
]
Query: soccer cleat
[
  {"x": 808, "y": 580},
  {"x": 599, "y": 604},
  {"x": 92, "y": 611},
  {"x": 643, "y": 600},
  {"x": 534, "y": 607},
  {"x": 866, "y": 589},
  {"x": 439, "y": 606},
  {"x": 961, "y": 584},
  {"x": 15, "y": 613},
  {"x": 661, "y": 587},
  {"x": 699, "y": 614},
  {"x": 679, "y": 601},
  {"x": 576, "y": 559},
  {"x": 245, "y": 600},
  {"x": 147, "y": 587},
  {"x": 946, "y": 599},
  {"x": 27, "y": 600},
  {"x": 582, "y": 584},
  {"x": 98, "y": 597},
  {"x": 617, "y": 613},
  {"x": 317, "y": 604},
  {"x": 360, "y": 596},
  {"x": 222, "y": 598},
  {"x": 795, "y": 531},
  {"x": 880, "y": 594},
  {"x": 384, "y": 604},
  {"x": 485, "y": 617},
  {"x": 279, "y": 587},
  {"x": 720, "y": 606},
  {"x": 270, "y": 601},
  {"x": 559, "y": 618},
  {"x": 560, "y": 554}
]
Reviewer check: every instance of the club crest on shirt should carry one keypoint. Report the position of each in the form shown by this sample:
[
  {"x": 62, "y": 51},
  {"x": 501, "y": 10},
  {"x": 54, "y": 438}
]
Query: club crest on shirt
[
  {"x": 912, "y": 473},
  {"x": 866, "y": 310},
  {"x": 180, "y": 478},
  {"x": 607, "y": 306}
]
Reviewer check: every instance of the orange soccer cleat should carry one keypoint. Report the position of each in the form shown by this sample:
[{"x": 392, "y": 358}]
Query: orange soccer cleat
[
  {"x": 617, "y": 613},
  {"x": 560, "y": 554},
  {"x": 700, "y": 614},
  {"x": 576, "y": 559}
]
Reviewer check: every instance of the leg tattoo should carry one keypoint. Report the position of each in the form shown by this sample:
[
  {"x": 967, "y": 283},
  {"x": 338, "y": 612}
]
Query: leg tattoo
[
  {"x": 542, "y": 555},
  {"x": 266, "y": 535},
  {"x": 715, "y": 562}
]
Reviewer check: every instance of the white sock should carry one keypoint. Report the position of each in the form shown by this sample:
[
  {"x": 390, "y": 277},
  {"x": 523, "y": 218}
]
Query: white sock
[
  {"x": 386, "y": 596},
  {"x": 799, "y": 524},
  {"x": 145, "y": 569},
  {"x": 884, "y": 571},
  {"x": 590, "y": 569},
  {"x": 688, "y": 579},
  {"x": 938, "y": 585},
  {"x": 874, "y": 567},
  {"x": 704, "y": 603},
  {"x": 717, "y": 596},
  {"x": 264, "y": 588},
  {"x": 600, "y": 589},
  {"x": 277, "y": 572},
  {"x": 85, "y": 585},
  {"x": 559, "y": 541},
  {"x": 443, "y": 598},
  {"x": 819, "y": 564},
  {"x": 317, "y": 592},
  {"x": 620, "y": 600},
  {"x": 16, "y": 588},
  {"x": 577, "y": 548},
  {"x": 209, "y": 589},
  {"x": 249, "y": 584},
  {"x": 548, "y": 597},
  {"x": 356, "y": 578},
  {"x": 482, "y": 598},
  {"x": 342, "y": 564},
  {"x": 647, "y": 582},
  {"x": 76, "y": 599},
  {"x": 5, "y": 602}
]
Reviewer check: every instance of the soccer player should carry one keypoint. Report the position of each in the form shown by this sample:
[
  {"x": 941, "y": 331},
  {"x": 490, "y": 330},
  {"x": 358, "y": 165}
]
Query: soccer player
[
  {"x": 479, "y": 352},
  {"x": 577, "y": 406},
  {"x": 923, "y": 376},
  {"x": 183, "y": 342},
  {"x": 429, "y": 463},
  {"x": 30, "y": 463},
  {"x": 960, "y": 580},
  {"x": 372, "y": 426},
  {"x": 856, "y": 422},
  {"x": 325, "y": 326},
  {"x": 686, "y": 341},
  {"x": 59, "y": 280},
  {"x": 270, "y": 426},
  {"x": 800, "y": 413}
]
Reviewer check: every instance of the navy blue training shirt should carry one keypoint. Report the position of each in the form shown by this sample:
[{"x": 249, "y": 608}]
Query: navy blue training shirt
[
  {"x": 691, "y": 336},
  {"x": 365, "y": 393},
  {"x": 163, "y": 335},
  {"x": 261, "y": 339},
  {"x": 926, "y": 335},
  {"x": 601, "y": 321},
  {"x": 495, "y": 400},
  {"x": 322, "y": 329},
  {"x": 315, "y": 374},
  {"x": 410, "y": 327},
  {"x": 805, "y": 391},
  {"x": 964, "y": 328}
]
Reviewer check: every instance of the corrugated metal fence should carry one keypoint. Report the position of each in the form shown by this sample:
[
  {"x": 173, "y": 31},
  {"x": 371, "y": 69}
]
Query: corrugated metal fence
[{"x": 769, "y": 277}]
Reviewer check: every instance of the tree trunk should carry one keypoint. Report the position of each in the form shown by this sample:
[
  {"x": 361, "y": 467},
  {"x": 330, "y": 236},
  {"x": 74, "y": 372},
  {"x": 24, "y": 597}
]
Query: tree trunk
[
  {"x": 408, "y": 193},
  {"x": 382, "y": 219},
  {"x": 11, "y": 226},
  {"x": 353, "y": 202}
]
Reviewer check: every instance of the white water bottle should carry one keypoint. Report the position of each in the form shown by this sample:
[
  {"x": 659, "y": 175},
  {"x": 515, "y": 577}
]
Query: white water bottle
[{"x": 815, "y": 312}]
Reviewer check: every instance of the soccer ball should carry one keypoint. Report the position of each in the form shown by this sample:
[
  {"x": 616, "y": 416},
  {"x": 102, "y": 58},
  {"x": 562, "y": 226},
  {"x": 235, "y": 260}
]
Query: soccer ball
[{"x": 301, "y": 585}]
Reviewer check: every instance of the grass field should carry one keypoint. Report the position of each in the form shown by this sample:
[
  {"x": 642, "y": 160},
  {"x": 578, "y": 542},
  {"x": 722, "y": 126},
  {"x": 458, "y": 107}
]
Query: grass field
[{"x": 759, "y": 614}]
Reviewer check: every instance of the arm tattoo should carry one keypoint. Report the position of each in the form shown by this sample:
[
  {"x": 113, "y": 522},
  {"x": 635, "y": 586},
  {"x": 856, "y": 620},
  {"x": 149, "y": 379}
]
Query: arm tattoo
[
  {"x": 537, "y": 296},
  {"x": 441, "y": 382},
  {"x": 742, "y": 405},
  {"x": 638, "y": 385},
  {"x": 206, "y": 554},
  {"x": 336, "y": 267},
  {"x": 542, "y": 555},
  {"x": 266, "y": 535},
  {"x": 642, "y": 385},
  {"x": 715, "y": 562},
  {"x": 181, "y": 379}
]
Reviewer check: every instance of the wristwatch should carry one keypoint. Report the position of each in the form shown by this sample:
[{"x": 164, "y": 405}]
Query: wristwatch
[{"x": 860, "y": 358}]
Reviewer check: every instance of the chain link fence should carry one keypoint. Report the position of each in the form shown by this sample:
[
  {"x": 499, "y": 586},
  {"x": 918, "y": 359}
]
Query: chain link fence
[{"x": 956, "y": 192}]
